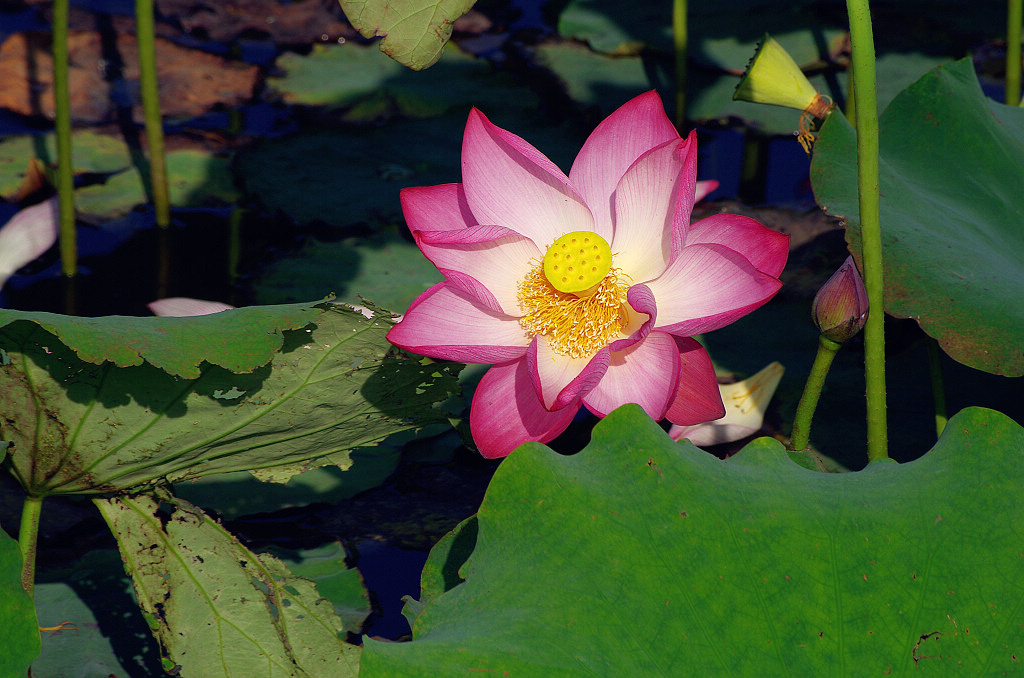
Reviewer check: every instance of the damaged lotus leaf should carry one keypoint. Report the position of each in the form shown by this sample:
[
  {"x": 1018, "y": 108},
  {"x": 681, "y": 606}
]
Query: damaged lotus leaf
[
  {"x": 640, "y": 556},
  {"x": 239, "y": 340},
  {"x": 414, "y": 32},
  {"x": 333, "y": 386},
  {"x": 216, "y": 607},
  {"x": 951, "y": 168}
]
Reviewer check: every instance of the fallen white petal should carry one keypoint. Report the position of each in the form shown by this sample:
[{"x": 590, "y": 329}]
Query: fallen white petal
[
  {"x": 178, "y": 307},
  {"x": 745, "y": 405},
  {"x": 26, "y": 236}
]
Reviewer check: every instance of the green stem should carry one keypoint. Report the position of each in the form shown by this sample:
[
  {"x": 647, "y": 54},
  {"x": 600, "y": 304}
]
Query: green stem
[
  {"x": 28, "y": 534},
  {"x": 753, "y": 167},
  {"x": 680, "y": 39},
  {"x": 234, "y": 244},
  {"x": 938, "y": 391},
  {"x": 1014, "y": 18},
  {"x": 62, "y": 122},
  {"x": 851, "y": 99},
  {"x": 812, "y": 392},
  {"x": 863, "y": 57},
  {"x": 145, "y": 32}
]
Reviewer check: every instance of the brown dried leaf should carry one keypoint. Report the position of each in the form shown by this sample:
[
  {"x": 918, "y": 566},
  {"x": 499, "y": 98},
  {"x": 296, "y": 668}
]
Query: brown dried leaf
[
  {"x": 191, "y": 82},
  {"x": 34, "y": 180},
  {"x": 289, "y": 23}
]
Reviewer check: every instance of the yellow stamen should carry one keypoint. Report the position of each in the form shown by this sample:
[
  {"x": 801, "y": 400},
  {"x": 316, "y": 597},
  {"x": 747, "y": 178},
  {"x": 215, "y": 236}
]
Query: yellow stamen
[{"x": 576, "y": 324}]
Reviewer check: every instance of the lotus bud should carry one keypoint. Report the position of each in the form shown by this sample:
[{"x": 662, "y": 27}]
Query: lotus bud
[
  {"x": 840, "y": 308},
  {"x": 773, "y": 78}
]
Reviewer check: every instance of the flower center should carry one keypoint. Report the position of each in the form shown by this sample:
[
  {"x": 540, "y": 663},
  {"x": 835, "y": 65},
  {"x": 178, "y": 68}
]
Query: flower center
[
  {"x": 575, "y": 298},
  {"x": 577, "y": 261}
]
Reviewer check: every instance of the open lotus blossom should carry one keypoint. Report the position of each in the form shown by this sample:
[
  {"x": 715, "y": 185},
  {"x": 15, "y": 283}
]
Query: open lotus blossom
[{"x": 582, "y": 290}]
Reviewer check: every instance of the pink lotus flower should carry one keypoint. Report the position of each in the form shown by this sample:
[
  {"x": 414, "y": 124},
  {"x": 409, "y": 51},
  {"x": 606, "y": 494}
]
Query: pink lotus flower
[{"x": 586, "y": 289}]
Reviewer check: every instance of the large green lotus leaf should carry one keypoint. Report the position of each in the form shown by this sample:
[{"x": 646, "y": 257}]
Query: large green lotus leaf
[
  {"x": 194, "y": 179},
  {"x": 334, "y": 386},
  {"x": 441, "y": 571},
  {"x": 217, "y": 608},
  {"x": 391, "y": 272},
  {"x": 107, "y": 635},
  {"x": 640, "y": 556},
  {"x": 90, "y": 152},
  {"x": 19, "y": 641},
  {"x": 239, "y": 340},
  {"x": 951, "y": 171},
  {"x": 370, "y": 86},
  {"x": 414, "y": 31}
]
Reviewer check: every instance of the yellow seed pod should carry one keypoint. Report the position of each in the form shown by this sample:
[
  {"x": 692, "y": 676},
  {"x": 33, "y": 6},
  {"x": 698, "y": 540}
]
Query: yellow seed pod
[
  {"x": 577, "y": 261},
  {"x": 773, "y": 77}
]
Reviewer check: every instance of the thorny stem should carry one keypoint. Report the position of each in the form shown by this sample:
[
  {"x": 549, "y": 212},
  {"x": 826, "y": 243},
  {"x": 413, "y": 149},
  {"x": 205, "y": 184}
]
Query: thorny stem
[
  {"x": 827, "y": 350},
  {"x": 863, "y": 58},
  {"x": 28, "y": 534}
]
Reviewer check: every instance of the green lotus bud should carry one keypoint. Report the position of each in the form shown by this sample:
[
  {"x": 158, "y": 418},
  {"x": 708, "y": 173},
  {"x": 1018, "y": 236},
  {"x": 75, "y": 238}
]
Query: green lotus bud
[{"x": 840, "y": 308}]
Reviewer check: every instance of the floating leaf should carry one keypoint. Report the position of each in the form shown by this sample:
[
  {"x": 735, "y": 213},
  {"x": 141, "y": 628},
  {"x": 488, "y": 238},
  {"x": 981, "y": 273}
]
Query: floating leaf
[
  {"x": 19, "y": 642},
  {"x": 641, "y": 556},
  {"x": 391, "y": 272},
  {"x": 109, "y": 634},
  {"x": 720, "y": 32},
  {"x": 239, "y": 493},
  {"x": 334, "y": 386},
  {"x": 335, "y": 580},
  {"x": 370, "y": 86},
  {"x": 951, "y": 171},
  {"x": 90, "y": 152},
  {"x": 604, "y": 82},
  {"x": 414, "y": 31},
  {"x": 194, "y": 178},
  {"x": 218, "y": 608},
  {"x": 239, "y": 340},
  {"x": 358, "y": 173}
]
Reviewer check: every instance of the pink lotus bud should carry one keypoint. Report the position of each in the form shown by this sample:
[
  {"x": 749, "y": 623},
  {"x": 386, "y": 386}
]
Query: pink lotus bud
[{"x": 841, "y": 306}]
